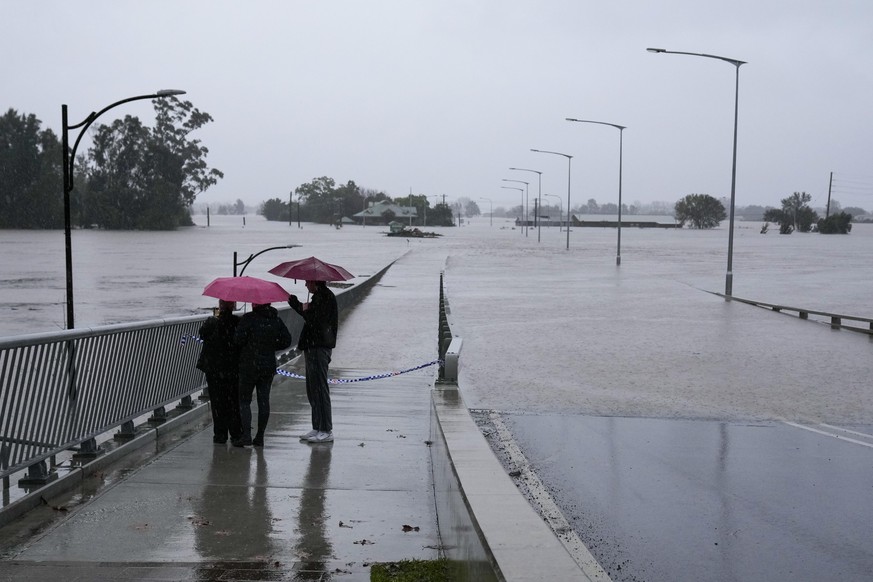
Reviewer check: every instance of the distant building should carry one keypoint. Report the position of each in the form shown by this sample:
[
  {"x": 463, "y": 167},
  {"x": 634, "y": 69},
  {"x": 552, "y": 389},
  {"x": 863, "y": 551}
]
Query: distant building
[{"x": 384, "y": 212}]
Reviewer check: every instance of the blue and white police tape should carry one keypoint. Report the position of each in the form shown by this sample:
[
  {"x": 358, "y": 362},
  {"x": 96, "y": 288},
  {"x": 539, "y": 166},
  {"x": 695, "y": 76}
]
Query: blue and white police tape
[
  {"x": 287, "y": 374},
  {"x": 364, "y": 378}
]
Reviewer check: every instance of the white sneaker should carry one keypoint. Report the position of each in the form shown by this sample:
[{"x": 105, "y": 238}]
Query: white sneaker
[
  {"x": 309, "y": 435},
  {"x": 321, "y": 437}
]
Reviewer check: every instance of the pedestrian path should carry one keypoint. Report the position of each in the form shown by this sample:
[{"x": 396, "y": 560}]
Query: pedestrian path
[{"x": 289, "y": 510}]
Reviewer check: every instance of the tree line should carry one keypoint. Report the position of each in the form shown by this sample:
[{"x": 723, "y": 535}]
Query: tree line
[
  {"x": 705, "y": 211},
  {"x": 323, "y": 201},
  {"x": 132, "y": 177}
]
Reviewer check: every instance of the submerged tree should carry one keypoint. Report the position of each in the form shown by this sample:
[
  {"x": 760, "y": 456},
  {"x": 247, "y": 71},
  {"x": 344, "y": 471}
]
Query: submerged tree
[
  {"x": 840, "y": 223},
  {"x": 146, "y": 178},
  {"x": 794, "y": 215},
  {"x": 701, "y": 210}
]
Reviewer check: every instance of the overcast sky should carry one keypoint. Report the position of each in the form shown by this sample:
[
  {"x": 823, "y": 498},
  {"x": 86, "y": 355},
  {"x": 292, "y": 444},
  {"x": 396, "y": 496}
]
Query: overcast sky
[{"x": 443, "y": 96}]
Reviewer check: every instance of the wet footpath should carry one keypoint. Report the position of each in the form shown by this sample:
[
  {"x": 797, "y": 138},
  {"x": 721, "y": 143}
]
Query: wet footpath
[{"x": 193, "y": 510}]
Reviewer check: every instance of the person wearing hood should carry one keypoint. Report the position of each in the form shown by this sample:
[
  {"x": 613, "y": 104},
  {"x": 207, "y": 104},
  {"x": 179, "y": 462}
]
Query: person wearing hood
[{"x": 259, "y": 335}]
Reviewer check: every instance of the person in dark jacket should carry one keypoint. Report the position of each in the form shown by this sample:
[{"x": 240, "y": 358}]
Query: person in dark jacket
[
  {"x": 259, "y": 335},
  {"x": 317, "y": 340},
  {"x": 219, "y": 360}
]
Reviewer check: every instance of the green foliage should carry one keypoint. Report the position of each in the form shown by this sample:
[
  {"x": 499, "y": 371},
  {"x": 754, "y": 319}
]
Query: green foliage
[
  {"x": 318, "y": 196},
  {"x": 412, "y": 571},
  {"x": 440, "y": 215},
  {"x": 145, "y": 178},
  {"x": 274, "y": 209},
  {"x": 701, "y": 210},
  {"x": 840, "y": 223},
  {"x": 796, "y": 210},
  {"x": 31, "y": 182}
]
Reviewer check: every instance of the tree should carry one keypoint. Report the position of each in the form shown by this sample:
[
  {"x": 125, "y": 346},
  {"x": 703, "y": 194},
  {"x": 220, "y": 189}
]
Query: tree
[
  {"x": 471, "y": 208},
  {"x": 441, "y": 215},
  {"x": 701, "y": 210},
  {"x": 30, "y": 174},
  {"x": 840, "y": 223},
  {"x": 142, "y": 178},
  {"x": 275, "y": 209},
  {"x": 796, "y": 209},
  {"x": 317, "y": 195}
]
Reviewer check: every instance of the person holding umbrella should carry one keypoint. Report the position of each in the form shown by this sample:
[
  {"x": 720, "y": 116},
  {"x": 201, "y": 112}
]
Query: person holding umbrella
[
  {"x": 259, "y": 335},
  {"x": 317, "y": 340},
  {"x": 219, "y": 360}
]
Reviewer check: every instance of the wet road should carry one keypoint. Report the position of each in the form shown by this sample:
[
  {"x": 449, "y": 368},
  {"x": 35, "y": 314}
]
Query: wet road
[{"x": 657, "y": 499}]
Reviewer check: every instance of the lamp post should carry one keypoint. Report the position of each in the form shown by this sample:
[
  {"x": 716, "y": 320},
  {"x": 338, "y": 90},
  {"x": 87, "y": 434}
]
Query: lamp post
[
  {"x": 560, "y": 208},
  {"x": 539, "y": 195},
  {"x": 491, "y": 212},
  {"x": 246, "y": 262},
  {"x": 620, "y": 129},
  {"x": 526, "y": 202},
  {"x": 569, "y": 160},
  {"x": 68, "y": 159},
  {"x": 521, "y": 206},
  {"x": 729, "y": 276}
]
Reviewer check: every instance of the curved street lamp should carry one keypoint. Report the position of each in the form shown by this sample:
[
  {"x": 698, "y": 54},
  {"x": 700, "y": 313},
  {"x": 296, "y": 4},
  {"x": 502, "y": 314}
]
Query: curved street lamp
[
  {"x": 521, "y": 209},
  {"x": 621, "y": 129},
  {"x": 245, "y": 263},
  {"x": 526, "y": 202},
  {"x": 539, "y": 195},
  {"x": 569, "y": 160},
  {"x": 491, "y": 212},
  {"x": 729, "y": 276},
  {"x": 68, "y": 159}
]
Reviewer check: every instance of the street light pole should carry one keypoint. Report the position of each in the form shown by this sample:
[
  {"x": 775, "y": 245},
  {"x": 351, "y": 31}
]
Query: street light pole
[
  {"x": 729, "y": 276},
  {"x": 621, "y": 129},
  {"x": 569, "y": 160},
  {"x": 491, "y": 212},
  {"x": 539, "y": 195},
  {"x": 521, "y": 208},
  {"x": 526, "y": 201},
  {"x": 68, "y": 159}
]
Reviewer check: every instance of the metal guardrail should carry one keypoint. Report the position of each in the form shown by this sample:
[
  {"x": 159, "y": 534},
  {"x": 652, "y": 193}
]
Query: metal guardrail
[
  {"x": 449, "y": 345},
  {"x": 836, "y": 320},
  {"x": 61, "y": 390}
]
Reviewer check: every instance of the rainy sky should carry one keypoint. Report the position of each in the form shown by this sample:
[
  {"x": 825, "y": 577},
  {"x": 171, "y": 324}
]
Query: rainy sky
[{"x": 442, "y": 97}]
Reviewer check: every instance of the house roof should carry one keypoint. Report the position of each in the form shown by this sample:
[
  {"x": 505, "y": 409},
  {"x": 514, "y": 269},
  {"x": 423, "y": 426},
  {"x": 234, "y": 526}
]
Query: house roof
[{"x": 381, "y": 207}]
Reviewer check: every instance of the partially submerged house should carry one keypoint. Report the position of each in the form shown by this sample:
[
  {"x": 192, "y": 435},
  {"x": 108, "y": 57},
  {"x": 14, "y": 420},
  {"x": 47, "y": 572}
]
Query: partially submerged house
[{"x": 384, "y": 212}]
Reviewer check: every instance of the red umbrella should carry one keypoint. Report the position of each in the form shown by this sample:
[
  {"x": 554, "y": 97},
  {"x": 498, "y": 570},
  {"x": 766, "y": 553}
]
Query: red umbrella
[
  {"x": 246, "y": 290},
  {"x": 311, "y": 269}
]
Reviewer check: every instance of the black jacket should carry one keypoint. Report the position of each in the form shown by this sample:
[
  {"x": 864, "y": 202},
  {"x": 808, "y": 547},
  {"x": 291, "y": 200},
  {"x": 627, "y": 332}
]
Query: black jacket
[
  {"x": 219, "y": 354},
  {"x": 259, "y": 335},
  {"x": 321, "y": 320}
]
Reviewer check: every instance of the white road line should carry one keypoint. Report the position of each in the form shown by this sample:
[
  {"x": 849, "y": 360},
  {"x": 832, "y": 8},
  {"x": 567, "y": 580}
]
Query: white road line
[
  {"x": 831, "y": 434},
  {"x": 547, "y": 507},
  {"x": 850, "y": 431}
]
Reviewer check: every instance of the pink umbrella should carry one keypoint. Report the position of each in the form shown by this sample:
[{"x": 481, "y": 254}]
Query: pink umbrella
[
  {"x": 246, "y": 290},
  {"x": 311, "y": 269}
]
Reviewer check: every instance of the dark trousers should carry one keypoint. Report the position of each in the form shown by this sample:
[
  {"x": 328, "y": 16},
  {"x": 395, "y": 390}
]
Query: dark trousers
[
  {"x": 224, "y": 402},
  {"x": 317, "y": 391},
  {"x": 261, "y": 385}
]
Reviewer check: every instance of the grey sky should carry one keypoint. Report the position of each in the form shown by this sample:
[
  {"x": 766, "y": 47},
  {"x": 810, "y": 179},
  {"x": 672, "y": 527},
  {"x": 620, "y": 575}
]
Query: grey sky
[{"x": 442, "y": 97}]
